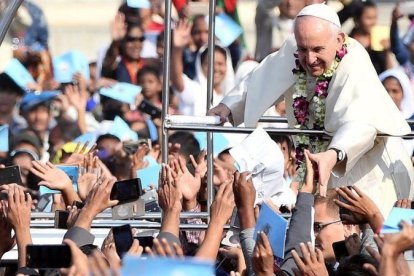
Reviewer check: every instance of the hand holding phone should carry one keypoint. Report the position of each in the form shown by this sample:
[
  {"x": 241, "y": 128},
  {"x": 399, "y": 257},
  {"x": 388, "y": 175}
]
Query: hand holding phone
[
  {"x": 126, "y": 190},
  {"x": 61, "y": 219},
  {"x": 340, "y": 250},
  {"x": 10, "y": 175},
  {"x": 122, "y": 238}
]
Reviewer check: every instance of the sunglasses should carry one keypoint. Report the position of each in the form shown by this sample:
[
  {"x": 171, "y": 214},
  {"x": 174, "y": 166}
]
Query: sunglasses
[
  {"x": 134, "y": 38},
  {"x": 318, "y": 226}
]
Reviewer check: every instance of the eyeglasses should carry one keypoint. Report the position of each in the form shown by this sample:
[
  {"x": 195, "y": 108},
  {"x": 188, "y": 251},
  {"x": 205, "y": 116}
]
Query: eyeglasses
[
  {"x": 134, "y": 38},
  {"x": 318, "y": 226}
]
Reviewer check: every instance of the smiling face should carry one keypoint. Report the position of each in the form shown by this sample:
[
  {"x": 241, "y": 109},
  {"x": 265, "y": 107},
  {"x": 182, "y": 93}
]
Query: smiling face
[
  {"x": 394, "y": 89},
  {"x": 133, "y": 43},
  {"x": 317, "y": 42},
  {"x": 220, "y": 67}
]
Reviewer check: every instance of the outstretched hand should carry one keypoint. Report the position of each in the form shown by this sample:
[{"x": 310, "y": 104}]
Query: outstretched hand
[{"x": 325, "y": 161}]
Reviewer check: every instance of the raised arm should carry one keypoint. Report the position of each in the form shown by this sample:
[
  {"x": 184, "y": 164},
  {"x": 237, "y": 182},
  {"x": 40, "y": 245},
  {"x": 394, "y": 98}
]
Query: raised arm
[{"x": 181, "y": 39}]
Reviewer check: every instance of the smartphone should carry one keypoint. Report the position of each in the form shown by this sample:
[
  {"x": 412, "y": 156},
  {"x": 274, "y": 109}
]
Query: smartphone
[
  {"x": 61, "y": 219},
  {"x": 145, "y": 241},
  {"x": 10, "y": 175},
  {"x": 43, "y": 202},
  {"x": 78, "y": 204},
  {"x": 48, "y": 256},
  {"x": 340, "y": 250},
  {"x": 122, "y": 238},
  {"x": 126, "y": 190},
  {"x": 150, "y": 109},
  {"x": 129, "y": 210}
]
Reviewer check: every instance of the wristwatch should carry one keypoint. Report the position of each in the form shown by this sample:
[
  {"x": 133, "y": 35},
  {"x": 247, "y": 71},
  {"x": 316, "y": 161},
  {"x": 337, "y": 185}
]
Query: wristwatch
[{"x": 340, "y": 155}]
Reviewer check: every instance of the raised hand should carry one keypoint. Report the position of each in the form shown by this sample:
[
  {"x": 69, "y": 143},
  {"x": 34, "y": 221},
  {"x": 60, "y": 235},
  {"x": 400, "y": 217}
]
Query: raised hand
[
  {"x": 312, "y": 263},
  {"x": 222, "y": 207},
  {"x": 325, "y": 161},
  {"x": 7, "y": 241},
  {"x": 163, "y": 249},
  {"x": 362, "y": 208},
  {"x": 89, "y": 175},
  {"x": 182, "y": 34},
  {"x": 138, "y": 161},
  {"x": 309, "y": 186},
  {"x": 119, "y": 27},
  {"x": 262, "y": 256},
  {"x": 169, "y": 196},
  {"x": 78, "y": 155},
  {"x": 188, "y": 184},
  {"x": 244, "y": 196},
  {"x": 52, "y": 177},
  {"x": 79, "y": 265}
]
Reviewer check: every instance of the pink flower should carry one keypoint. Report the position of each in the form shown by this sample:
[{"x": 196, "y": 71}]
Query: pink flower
[
  {"x": 342, "y": 52},
  {"x": 321, "y": 88},
  {"x": 301, "y": 109}
]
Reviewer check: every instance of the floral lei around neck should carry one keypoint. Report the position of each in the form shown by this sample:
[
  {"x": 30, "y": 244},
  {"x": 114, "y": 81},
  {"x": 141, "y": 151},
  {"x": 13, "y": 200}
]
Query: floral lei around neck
[{"x": 302, "y": 102}]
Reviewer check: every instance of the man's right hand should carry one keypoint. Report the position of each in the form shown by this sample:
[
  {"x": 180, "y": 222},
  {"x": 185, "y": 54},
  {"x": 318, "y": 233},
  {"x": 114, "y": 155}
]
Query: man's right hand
[{"x": 222, "y": 111}]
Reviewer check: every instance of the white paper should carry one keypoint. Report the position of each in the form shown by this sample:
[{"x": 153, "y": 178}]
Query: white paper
[{"x": 261, "y": 156}]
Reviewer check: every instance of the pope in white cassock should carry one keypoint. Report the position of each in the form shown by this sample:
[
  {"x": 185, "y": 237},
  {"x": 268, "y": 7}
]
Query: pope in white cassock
[{"x": 329, "y": 82}]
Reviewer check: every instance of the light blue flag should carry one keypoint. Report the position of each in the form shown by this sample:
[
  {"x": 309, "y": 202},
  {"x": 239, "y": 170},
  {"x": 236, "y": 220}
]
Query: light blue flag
[
  {"x": 71, "y": 171},
  {"x": 122, "y": 130},
  {"x": 4, "y": 138},
  {"x": 227, "y": 30},
  {"x": 66, "y": 65},
  {"x": 137, "y": 4},
  {"x": 19, "y": 73},
  {"x": 87, "y": 137},
  {"x": 220, "y": 142},
  {"x": 149, "y": 176},
  {"x": 122, "y": 91},
  {"x": 275, "y": 227},
  {"x": 392, "y": 223},
  {"x": 166, "y": 266}
]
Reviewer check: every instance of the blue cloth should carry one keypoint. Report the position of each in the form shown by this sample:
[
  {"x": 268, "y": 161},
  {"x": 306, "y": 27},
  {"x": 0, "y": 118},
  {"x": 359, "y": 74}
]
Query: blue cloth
[
  {"x": 4, "y": 138},
  {"x": 189, "y": 63},
  {"x": 37, "y": 34},
  {"x": 397, "y": 46},
  {"x": 122, "y": 73}
]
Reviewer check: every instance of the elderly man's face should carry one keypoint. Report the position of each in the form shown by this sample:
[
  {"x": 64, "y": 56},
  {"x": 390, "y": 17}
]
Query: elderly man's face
[{"x": 317, "y": 44}]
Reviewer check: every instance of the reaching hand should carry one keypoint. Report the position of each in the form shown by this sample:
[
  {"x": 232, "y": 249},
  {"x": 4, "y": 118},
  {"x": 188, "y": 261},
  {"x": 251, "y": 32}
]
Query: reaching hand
[
  {"x": 89, "y": 175},
  {"x": 163, "y": 249},
  {"x": 222, "y": 207},
  {"x": 262, "y": 256},
  {"x": 52, "y": 177},
  {"x": 138, "y": 161},
  {"x": 244, "y": 191},
  {"x": 362, "y": 208},
  {"x": 7, "y": 241},
  {"x": 403, "y": 203},
  {"x": 169, "y": 196},
  {"x": 220, "y": 110},
  {"x": 77, "y": 98},
  {"x": 182, "y": 34},
  {"x": 312, "y": 263},
  {"x": 326, "y": 161},
  {"x": 78, "y": 155},
  {"x": 396, "y": 14},
  {"x": 353, "y": 244},
  {"x": 18, "y": 210},
  {"x": 79, "y": 265},
  {"x": 99, "y": 198},
  {"x": 119, "y": 27},
  {"x": 188, "y": 184},
  {"x": 309, "y": 185},
  {"x": 395, "y": 244}
]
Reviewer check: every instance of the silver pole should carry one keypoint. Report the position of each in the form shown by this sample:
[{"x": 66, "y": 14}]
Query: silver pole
[
  {"x": 277, "y": 119},
  {"x": 108, "y": 216},
  {"x": 210, "y": 87},
  {"x": 166, "y": 79},
  {"x": 7, "y": 17},
  {"x": 282, "y": 131}
]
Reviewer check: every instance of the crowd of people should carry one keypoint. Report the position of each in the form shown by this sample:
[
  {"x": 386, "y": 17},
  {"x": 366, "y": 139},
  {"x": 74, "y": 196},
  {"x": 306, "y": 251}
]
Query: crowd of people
[{"x": 105, "y": 121}]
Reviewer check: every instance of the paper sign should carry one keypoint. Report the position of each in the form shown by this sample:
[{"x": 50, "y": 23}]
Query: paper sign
[
  {"x": 275, "y": 227},
  {"x": 66, "y": 65},
  {"x": 166, "y": 266},
  {"x": 122, "y": 91},
  {"x": 122, "y": 130},
  {"x": 71, "y": 171},
  {"x": 19, "y": 73},
  {"x": 391, "y": 224},
  {"x": 378, "y": 34},
  {"x": 4, "y": 138},
  {"x": 149, "y": 176},
  {"x": 227, "y": 30}
]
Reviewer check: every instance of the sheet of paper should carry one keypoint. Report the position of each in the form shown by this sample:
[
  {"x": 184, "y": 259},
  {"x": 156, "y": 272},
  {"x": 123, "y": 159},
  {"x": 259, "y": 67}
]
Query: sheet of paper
[
  {"x": 227, "y": 30},
  {"x": 391, "y": 224},
  {"x": 122, "y": 130},
  {"x": 122, "y": 91},
  {"x": 19, "y": 73},
  {"x": 149, "y": 176},
  {"x": 275, "y": 227}
]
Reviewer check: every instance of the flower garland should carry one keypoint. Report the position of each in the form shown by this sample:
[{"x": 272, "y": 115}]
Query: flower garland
[{"x": 303, "y": 102}]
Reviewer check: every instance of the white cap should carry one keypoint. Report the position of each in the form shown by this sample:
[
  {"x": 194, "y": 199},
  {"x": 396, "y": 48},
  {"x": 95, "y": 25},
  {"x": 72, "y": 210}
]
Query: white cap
[{"x": 321, "y": 11}]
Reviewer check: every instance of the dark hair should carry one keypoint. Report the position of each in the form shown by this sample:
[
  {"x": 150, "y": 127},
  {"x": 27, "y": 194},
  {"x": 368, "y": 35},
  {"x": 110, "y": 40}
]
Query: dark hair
[
  {"x": 282, "y": 138},
  {"x": 216, "y": 49},
  {"x": 8, "y": 85},
  {"x": 353, "y": 265},
  {"x": 189, "y": 144},
  {"x": 362, "y": 6},
  {"x": 148, "y": 69}
]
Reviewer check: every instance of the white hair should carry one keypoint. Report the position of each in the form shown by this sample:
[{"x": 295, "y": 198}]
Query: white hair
[{"x": 335, "y": 30}]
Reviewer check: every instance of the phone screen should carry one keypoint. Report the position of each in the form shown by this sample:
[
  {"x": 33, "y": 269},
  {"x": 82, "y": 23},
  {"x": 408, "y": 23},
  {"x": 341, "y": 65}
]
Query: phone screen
[
  {"x": 340, "y": 250},
  {"x": 150, "y": 109},
  {"x": 145, "y": 241},
  {"x": 48, "y": 256},
  {"x": 10, "y": 175},
  {"x": 61, "y": 219},
  {"x": 123, "y": 239},
  {"x": 126, "y": 190}
]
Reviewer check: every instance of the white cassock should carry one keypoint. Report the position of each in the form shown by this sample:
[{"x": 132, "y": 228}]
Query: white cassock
[{"x": 357, "y": 109}]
